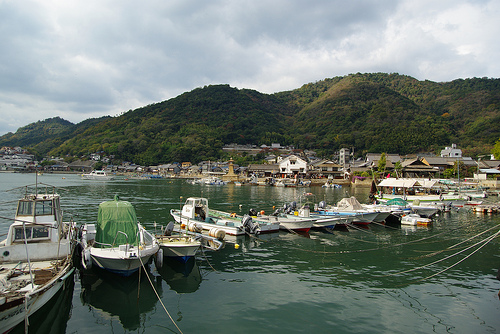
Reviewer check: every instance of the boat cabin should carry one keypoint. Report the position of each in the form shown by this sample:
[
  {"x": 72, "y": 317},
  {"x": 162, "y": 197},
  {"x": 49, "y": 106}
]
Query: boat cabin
[
  {"x": 195, "y": 207},
  {"x": 37, "y": 219}
]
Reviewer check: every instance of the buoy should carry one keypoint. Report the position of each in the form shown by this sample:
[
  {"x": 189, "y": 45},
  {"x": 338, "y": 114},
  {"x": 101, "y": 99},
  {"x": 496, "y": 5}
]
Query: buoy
[
  {"x": 236, "y": 246},
  {"x": 217, "y": 233},
  {"x": 193, "y": 227},
  {"x": 183, "y": 226}
]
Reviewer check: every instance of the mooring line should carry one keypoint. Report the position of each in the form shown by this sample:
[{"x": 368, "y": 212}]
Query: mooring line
[
  {"x": 378, "y": 248},
  {"x": 158, "y": 296},
  {"x": 486, "y": 240},
  {"x": 453, "y": 246},
  {"x": 206, "y": 259},
  {"x": 465, "y": 258}
]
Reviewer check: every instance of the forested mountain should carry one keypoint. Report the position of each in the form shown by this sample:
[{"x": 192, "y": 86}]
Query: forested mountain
[{"x": 371, "y": 112}]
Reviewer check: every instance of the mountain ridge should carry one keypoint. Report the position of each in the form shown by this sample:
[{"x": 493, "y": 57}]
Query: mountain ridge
[{"x": 376, "y": 112}]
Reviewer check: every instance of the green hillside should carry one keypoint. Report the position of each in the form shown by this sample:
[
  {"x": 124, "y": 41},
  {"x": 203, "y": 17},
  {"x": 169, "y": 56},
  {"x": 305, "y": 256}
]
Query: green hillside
[{"x": 374, "y": 112}]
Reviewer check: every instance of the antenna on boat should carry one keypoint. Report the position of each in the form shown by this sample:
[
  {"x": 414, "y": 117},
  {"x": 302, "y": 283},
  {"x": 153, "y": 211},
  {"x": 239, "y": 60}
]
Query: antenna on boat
[{"x": 36, "y": 180}]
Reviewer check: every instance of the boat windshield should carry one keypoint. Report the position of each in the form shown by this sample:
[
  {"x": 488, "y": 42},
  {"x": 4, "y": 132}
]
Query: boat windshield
[
  {"x": 43, "y": 208},
  {"x": 25, "y": 208},
  {"x": 32, "y": 233}
]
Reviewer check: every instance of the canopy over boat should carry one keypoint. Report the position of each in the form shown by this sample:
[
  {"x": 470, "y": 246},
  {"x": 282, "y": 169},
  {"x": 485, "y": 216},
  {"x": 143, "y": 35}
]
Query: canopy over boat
[
  {"x": 407, "y": 183},
  {"x": 114, "y": 217}
]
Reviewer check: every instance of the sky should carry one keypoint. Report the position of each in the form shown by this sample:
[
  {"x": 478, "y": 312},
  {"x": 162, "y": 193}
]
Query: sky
[{"x": 83, "y": 59}]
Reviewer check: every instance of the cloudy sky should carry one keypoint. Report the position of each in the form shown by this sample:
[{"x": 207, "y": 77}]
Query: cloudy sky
[{"x": 82, "y": 59}]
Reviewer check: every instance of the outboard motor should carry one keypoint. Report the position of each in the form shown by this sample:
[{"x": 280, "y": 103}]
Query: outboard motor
[
  {"x": 322, "y": 205},
  {"x": 252, "y": 212},
  {"x": 169, "y": 229},
  {"x": 293, "y": 206},
  {"x": 249, "y": 225},
  {"x": 276, "y": 212}
]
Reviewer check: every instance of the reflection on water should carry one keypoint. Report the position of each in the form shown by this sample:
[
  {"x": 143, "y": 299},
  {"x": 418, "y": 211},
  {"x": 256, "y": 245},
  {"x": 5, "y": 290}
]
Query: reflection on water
[
  {"x": 53, "y": 316},
  {"x": 126, "y": 298},
  {"x": 343, "y": 281},
  {"x": 181, "y": 277}
]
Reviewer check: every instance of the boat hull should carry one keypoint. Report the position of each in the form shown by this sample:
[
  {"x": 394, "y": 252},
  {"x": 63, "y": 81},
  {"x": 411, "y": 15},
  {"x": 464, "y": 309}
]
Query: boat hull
[
  {"x": 123, "y": 262},
  {"x": 181, "y": 248},
  {"x": 13, "y": 312}
]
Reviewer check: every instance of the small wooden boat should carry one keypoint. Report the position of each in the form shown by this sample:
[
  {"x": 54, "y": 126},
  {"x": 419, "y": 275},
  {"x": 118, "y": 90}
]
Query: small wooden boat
[
  {"x": 177, "y": 245},
  {"x": 35, "y": 258}
]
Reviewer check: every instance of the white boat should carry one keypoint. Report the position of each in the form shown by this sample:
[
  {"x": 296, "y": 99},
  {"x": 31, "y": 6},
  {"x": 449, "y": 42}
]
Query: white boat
[
  {"x": 117, "y": 243},
  {"x": 196, "y": 210},
  {"x": 98, "y": 175},
  {"x": 423, "y": 190},
  {"x": 180, "y": 247},
  {"x": 414, "y": 219},
  {"x": 287, "y": 222},
  {"x": 35, "y": 258},
  {"x": 352, "y": 208},
  {"x": 175, "y": 244}
]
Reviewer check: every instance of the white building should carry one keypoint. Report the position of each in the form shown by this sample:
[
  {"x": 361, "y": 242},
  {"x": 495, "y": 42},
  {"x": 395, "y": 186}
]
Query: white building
[
  {"x": 293, "y": 165},
  {"x": 451, "y": 152}
]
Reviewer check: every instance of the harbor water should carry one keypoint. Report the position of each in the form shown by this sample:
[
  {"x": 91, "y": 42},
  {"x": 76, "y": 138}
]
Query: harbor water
[{"x": 356, "y": 280}]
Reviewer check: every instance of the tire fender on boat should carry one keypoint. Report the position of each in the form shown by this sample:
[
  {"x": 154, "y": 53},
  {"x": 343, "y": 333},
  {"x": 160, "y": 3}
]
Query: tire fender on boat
[
  {"x": 441, "y": 197},
  {"x": 159, "y": 259},
  {"x": 86, "y": 259}
]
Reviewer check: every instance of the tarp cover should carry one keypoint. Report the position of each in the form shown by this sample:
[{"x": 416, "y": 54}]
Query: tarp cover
[
  {"x": 349, "y": 204},
  {"x": 397, "y": 201},
  {"x": 114, "y": 217}
]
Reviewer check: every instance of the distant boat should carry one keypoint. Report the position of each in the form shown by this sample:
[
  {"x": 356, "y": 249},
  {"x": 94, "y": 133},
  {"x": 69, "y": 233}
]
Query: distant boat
[
  {"x": 35, "y": 258},
  {"x": 117, "y": 243},
  {"x": 195, "y": 210},
  {"x": 415, "y": 219},
  {"x": 98, "y": 175}
]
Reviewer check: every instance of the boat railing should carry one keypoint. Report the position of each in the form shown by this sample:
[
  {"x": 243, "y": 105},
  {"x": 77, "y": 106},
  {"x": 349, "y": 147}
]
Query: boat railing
[{"x": 116, "y": 236}]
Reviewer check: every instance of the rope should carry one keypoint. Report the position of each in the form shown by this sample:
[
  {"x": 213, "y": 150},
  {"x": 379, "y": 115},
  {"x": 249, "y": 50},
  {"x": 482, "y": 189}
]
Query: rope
[
  {"x": 488, "y": 239},
  {"x": 453, "y": 246},
  {"x": 158, "y": 296},
  {"x": 386, "y": 226},
  {"x": 205, "y": 256},
  {"x": 465, "y": 258},
  {"x": 379, "y": 248}
]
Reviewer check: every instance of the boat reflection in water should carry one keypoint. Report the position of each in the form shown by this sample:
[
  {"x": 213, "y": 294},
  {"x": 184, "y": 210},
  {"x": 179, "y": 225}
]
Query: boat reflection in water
[
  {"x": 127, "y": 298},
  {"x": 52, "y": 317},
  {"x": 181, "y": 277}
]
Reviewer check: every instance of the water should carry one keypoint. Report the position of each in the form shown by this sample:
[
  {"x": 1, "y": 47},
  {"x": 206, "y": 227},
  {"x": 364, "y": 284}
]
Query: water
[{"x": 280, "y": 283}]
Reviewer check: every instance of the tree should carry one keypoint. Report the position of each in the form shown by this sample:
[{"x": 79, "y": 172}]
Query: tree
[
  {"x": 496, "y": 150},
  {"x": 382, "y": 163}
]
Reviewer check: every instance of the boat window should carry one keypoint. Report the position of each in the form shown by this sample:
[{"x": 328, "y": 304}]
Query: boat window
[
  {"x": 43, "y": 208},
  {"x": 32, "y": 232},
  {"x": 25, "y": 208}
]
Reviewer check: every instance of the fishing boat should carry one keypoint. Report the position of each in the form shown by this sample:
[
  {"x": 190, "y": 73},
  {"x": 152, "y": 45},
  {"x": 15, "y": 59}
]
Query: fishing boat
[
  {"x": 414, "y": 220},
  {"x": 35, "y": 258},
  {"x": 118, "y": 242},
  {"x": 97, "y": 175},
  {"x": 195, "y": 210},
  {"x": 423, "y": 190},
  {"x": 177, "y": 245},
  {"x": 352, "y": 208},
  {"x": 286, "y": 222}
]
